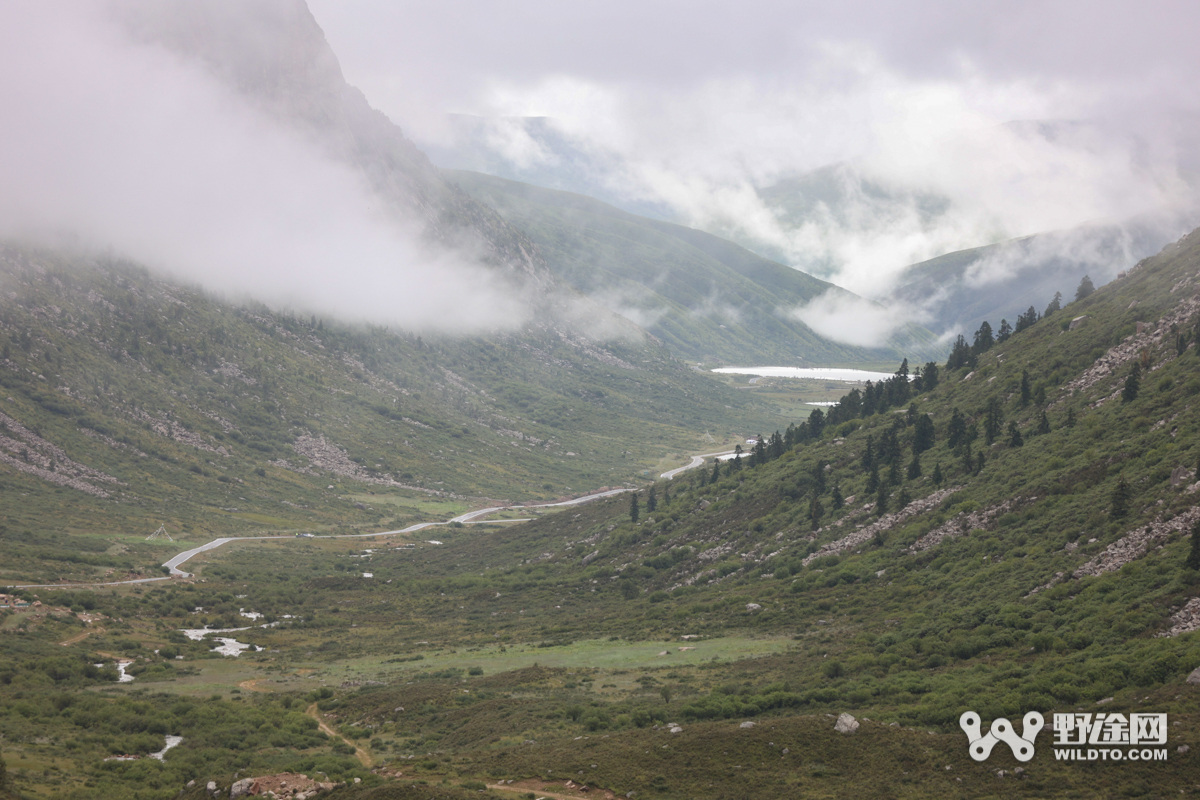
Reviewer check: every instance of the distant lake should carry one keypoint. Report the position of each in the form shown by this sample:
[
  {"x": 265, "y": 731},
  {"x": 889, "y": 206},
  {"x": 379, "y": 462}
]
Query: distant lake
[{"x": 814, "y": 373}]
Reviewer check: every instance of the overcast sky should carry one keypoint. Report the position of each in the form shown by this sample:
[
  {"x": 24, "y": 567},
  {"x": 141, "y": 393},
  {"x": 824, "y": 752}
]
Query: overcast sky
[{"x": 694, "y": 106}]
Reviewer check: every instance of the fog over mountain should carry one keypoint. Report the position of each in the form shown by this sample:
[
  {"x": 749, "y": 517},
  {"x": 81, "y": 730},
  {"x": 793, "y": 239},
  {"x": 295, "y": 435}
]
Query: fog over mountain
[
  {"x": 944, "y": 128},
  {"x": 133, "y": 128}
]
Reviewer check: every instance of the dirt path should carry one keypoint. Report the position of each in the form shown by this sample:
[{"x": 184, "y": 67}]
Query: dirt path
[
  {"x": 363, "y": 755},
  {"x": 79, "y": 637}
]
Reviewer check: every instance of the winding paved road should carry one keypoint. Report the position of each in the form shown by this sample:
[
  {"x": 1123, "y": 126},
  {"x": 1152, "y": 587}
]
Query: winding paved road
[{"x": 468, "y": 518}]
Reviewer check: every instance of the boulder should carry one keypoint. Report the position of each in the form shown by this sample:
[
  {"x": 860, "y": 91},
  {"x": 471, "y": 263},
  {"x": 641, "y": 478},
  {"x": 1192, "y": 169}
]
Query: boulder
[
  {"x": 753, "y": 606},
  {"x": 240, "y": 788},
  {"x": 746, "y": 725},
  {"x": 845, "y": 723},
  {"x": 211, "y": 788},
  {"x": 1194, "y": 677}
]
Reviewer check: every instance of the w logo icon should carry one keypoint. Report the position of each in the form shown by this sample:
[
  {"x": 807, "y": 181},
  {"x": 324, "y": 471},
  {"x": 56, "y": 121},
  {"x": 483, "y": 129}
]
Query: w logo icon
[{"x": 1002, "y": 731}]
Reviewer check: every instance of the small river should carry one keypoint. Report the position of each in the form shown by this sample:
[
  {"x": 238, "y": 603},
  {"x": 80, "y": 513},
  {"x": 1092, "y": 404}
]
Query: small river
[{"x": 813, "y": 373}]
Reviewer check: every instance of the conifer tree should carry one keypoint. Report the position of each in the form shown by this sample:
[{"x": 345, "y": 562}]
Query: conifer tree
[
  {"x": 633, "y": 507},
  {"x": 1086, "y": 287},
  {"x": 983, "y": 339},
  {"x": 1004, "y": 332},
  {"x": 1121, "y": 495},
  {"x": 716, "y": 473},
  {"x": 1026, "y": 389},
  {"x": 818, "y": 477},
  {"x": 994, "y": 421},
  {"x": 937, "y": 474},
  {"x": 914, "y": 467},
  {"x": 815, "y": 512},
  {"x": 1015, "y": 439},
  {"x": 956, "y": 431},
  {"x": 1043, "y": 424},
  {"x": 868, "y": 459},
  {"x": 1133, "y": 384},
  {"x": 903, "y": 499},
  {"x": 651, "y": 501},
  {"x": 873, "y": 478},
  {"x": 837, "y": 501},
  {"x": 1070, "y": 420},
  {"x": 666, "y": 494},
  {"x": 923, "y": 434},
  {"x": 1055, "y": 305},
  {"x": 894, "y": 473},
  {"x": 979, "y": 462},
  {"x": 881, "y": 499},
  {"x": 968, "y": 460}
]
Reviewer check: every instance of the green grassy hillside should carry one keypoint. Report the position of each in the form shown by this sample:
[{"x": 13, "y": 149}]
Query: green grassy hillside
[
  {"x": 129, "y": 402},
  {"x": 1050, "y": 575},
  {"x": 706, "y": 298}
]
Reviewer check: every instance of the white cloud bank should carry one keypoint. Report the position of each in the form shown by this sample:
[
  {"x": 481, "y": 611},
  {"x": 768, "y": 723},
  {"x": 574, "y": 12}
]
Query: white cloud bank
[{"x": 125, "y": 148}]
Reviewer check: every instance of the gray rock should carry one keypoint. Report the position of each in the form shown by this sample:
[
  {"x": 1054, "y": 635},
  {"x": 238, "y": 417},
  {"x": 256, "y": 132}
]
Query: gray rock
[
  {"x": 1183, "y": 748},
  {"x": 590, "y": 557},
  {"x": 753, "y": 606},
  {"x": 1104, "y": 701},
  {"x": 1075, "y": 323},
  {"x": 211, "y": 788},
  {"x": 240, "y": 788},
  {"x": 1194, "y": 677},
  {"x": 845, "y": 723},
  {"x": 746, "y": 725}
]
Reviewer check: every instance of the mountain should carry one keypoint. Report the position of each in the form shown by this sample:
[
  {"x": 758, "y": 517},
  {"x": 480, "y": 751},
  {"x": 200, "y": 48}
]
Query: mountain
[
  {"x": 706, "y": 298},
  {"x": 1001, "y": 281},
  {"x": 707, "y": 647}
]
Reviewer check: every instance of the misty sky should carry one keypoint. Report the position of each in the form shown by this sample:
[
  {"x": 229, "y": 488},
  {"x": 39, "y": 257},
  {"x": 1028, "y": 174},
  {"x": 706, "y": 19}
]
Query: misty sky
[{"x": 694, "y": 106}]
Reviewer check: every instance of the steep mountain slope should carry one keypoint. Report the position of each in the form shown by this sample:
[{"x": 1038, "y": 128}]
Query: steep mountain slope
[
  {"x": 960, "y": 290},
  {"x": 1043, "y": 568},
  {"x": 706, "y": 298},
  {"x": 133, "y": 402}
]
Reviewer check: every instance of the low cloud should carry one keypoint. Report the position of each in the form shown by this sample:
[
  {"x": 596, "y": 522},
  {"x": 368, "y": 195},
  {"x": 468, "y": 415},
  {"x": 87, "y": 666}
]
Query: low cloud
[
  {"x": 848, "y": 318},
  {"x": 126, "y": 148}
]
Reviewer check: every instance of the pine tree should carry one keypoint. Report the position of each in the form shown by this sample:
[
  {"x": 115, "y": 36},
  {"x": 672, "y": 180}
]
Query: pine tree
[
  {"x": 914, "y": 467},
  {"x": 1085, "y": 288},
  {"x": 1015, "y": 439},
  {"x": 1193, "y": 559},
  {"x": 923, "y": 434},
  {"x": 993, "y": 423},
  {"x": 815, "y": 512},
  {"x": 903, "y": 499},
  {"x": 1055, "y": 304},
  {"x": 881, "y": 501},
  {"x": 1070, "y": 420},
  {"x": 956, "y": 431},
  {"x": 873, "y": 479},
  {"x": 818, "y": 477},
  {"x": 983, "y": 339},
  {"x": 651, "y": 501},
  {"x": 1026, "y": 389},
  {"x": 1133, "y": 384},
  {"x": 1004, "y": 332},
  {"x": 979, "y": 462},
  {"x": 1043, "y": 424},
  {"x": 1122, "y": 493},
  {"x": 837, "y": 501},
  {"x": 968, "y": 460},
  {"x": 894, "y": 473},
  {"x": 667, "y": 494},
  {"x": 868, "y": 459},
  {"x": 716, "y": 473},
  {"x": 633, "y": 507},
  {"x": 937, "y": 474}
]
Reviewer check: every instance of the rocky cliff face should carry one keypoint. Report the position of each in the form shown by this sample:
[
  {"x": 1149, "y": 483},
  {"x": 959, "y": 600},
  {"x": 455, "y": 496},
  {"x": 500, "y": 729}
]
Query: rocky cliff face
[{"x": 273, "y": 53}]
